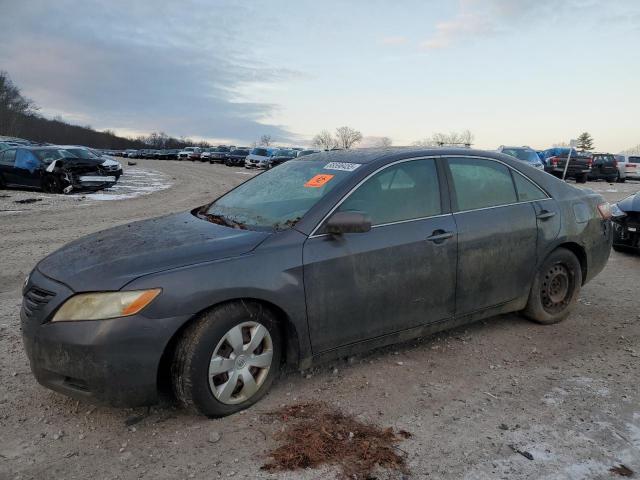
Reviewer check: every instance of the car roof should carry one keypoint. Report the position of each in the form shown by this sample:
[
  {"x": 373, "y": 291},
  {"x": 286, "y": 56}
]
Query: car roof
[{"x": 384, "y": 155}]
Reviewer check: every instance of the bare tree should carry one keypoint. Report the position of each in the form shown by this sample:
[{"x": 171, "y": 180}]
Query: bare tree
[
  {"x": 13, "y": 106},
  {"x": 386, "y": 142},
  {"x": 631, "y": 151},
  {"x": 265, "y": 140},
  {"x": 324, "y": 140},
  {"x": 346, "y": 137},
  {"x": 440, "y": 139}
]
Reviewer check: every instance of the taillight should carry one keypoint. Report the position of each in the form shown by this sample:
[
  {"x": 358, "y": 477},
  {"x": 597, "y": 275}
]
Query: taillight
[
  {"x": 554, "y": 161},
  {"x": 589, "y": 162},
  {"x": 615, "y": 163},
  {"x": 604, "y": 209}
]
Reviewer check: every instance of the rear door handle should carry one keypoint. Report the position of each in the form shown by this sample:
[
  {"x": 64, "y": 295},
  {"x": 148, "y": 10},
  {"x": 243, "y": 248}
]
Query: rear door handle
[
  {"x": 545, "y": 214},
  {"x": 439, "y": 236}
]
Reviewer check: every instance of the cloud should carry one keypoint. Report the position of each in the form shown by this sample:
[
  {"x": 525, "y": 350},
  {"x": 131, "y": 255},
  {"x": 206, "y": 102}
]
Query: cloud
[
  {"x": 141, "y": 66},
  {"x": 394, "y": 40},
  {"x": 485, "y": 18}
]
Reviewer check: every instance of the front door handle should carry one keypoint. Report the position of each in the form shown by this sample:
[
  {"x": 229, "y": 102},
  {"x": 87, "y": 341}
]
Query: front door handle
[
  {"x": 439, "y": 236},
  {"x": 545, "y": 214}
]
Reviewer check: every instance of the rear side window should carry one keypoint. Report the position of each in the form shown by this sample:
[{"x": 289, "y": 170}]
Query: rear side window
[
  {"x": 7, "y": 157},
  {"x": 527, "y": 191},
  {"x": 481, "y": 183},
  {"x": 405, "y": 191}
]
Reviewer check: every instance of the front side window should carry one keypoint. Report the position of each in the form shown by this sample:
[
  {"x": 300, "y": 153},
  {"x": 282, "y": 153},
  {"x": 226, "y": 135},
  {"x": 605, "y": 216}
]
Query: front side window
[
  {"x": 405, "y": 191},
  {"x": 479, "y": 183}
]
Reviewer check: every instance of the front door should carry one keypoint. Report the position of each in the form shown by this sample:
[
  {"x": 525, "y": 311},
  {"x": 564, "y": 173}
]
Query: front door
[
  {"x": 497, "y": 235},
  {"x": 399, "y": 275}
]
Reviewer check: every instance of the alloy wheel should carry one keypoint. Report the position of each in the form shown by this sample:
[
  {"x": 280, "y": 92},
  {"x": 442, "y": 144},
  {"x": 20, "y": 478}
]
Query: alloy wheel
[{"x": 240, "y": 363}]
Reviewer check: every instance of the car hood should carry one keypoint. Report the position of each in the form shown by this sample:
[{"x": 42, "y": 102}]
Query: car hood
[
  {"x": 110, "y": 259},
  {"x": 630, "y": 204}
]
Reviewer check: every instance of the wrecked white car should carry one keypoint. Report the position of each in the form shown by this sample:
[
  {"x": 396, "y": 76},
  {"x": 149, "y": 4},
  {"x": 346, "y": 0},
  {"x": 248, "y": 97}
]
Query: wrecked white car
[{"x": 54, "y": 170}]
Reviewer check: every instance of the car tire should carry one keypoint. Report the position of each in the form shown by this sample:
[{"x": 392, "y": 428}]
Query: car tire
[
  {"x": 210, "y": 337},
  {"x": 52, "y": 184},
  {"x": 581, "y": 178},
  {"x": 612, "y": 179},
  {"x": 555, "y": 288},
  {"x": 620, "y": 179},
  {"x": 3, "y": 185}
]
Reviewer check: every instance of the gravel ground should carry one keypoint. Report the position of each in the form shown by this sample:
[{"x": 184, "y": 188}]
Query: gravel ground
[{"x": 567, "y": 396}]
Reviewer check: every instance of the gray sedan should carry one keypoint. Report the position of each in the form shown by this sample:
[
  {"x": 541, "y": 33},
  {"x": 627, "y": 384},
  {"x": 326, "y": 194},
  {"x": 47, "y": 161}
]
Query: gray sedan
[{"x": 327, "y": 255}]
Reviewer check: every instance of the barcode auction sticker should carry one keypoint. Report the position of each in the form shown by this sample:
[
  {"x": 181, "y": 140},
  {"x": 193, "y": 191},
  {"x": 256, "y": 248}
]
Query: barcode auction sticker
[
  {"x": 318, "y": 181},
  {"x": 345, "y": 167}
]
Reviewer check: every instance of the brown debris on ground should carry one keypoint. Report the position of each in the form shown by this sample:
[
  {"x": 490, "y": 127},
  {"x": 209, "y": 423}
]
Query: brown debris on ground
[{"x": 316, "y": 434}]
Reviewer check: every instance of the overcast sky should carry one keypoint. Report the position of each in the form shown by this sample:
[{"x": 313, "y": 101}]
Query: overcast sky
[{"x": 532, "y": 72}]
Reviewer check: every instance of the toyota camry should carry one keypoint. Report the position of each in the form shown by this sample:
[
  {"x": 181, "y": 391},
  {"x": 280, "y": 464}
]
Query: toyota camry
[{"x": 327, "y": 255}]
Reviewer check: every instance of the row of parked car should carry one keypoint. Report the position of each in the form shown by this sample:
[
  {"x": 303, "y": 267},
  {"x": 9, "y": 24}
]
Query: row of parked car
[
  {"x": 55, "y": 168},
  {"x": 582, "y": 166},
  {"x": 232, "y": 156}
]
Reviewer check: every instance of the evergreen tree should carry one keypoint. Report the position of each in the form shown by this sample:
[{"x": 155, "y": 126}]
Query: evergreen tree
[{"x": 585, "y": 142}]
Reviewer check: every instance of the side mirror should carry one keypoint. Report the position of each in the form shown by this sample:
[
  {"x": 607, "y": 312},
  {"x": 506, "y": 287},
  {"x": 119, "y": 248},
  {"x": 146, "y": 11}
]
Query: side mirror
[{"x": 348, "y": 222}]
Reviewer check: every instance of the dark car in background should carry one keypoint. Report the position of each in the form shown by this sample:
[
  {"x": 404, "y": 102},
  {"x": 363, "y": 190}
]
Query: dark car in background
[
  {"x": 52, "y": 169},
  {"x": 108, "y": 165},
  {"x": 282, "y": 155},
  {"x": 604, "y": 166},
  {"x": 578, "y": 168},
  {"x": 219, "y": 154},
  {"x": 325, "y": 256},
  {"x": 302, "y": 153},
  {"x": 626, "y": 223},
  {"x": 236, "y": 158}
]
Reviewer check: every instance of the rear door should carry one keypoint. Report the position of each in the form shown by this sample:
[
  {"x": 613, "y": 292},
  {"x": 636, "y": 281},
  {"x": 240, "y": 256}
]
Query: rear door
[
  {"x": 497, "y": 234},
  {"x": 399, "y": 275}
]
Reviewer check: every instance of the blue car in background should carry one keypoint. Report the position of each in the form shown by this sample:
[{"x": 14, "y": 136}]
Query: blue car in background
[{"x": 525, "y": 154}]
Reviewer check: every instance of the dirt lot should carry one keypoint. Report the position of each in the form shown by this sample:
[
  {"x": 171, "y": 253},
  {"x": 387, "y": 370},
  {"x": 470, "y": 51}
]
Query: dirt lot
[{"x": 567, "y": 395}]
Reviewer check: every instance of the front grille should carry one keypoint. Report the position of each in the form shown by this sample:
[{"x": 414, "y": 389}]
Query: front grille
[{"x": 35, "y": 299}]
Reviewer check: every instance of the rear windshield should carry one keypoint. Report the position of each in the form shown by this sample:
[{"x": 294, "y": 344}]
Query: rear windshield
[
  {"x": 47, "y": 155},
  {"x": 222, "y": 149},
  {"x": 278, "y": 198},
  {"x": 260, "y": 151},
  {"x": 634, "y": 159},
  {"x": 522, "y": 154}
]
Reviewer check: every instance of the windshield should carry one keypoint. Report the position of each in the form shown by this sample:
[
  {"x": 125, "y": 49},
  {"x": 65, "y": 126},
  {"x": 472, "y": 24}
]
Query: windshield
[
  {"x": 286, "y": 153},
  {"x": 522, "y": 154},
  {"x": 240, "y": 152},
  {"x": 278, "y": 198},
  {"x": 47, "y": 155},
  {"x": 82, "y": 153},
  {"x": 222, "y": 149},
  {"x": 260, "y": 151}
]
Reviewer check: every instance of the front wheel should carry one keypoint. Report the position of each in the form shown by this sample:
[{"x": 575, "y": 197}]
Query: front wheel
[
  {"x": 555, "y": 288},
  {"x": 227, "y": 360}
]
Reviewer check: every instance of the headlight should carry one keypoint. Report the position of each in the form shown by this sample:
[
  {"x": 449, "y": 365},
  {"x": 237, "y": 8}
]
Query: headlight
[
  {"x": 104, "y": 305},
  {"x": 616, "y": 212}
]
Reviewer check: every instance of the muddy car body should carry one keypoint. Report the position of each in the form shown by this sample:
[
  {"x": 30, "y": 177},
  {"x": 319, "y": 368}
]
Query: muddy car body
[
  {"x": 53, "y": 169},
  {"x": 325, "y": 256},
  {"x": 626, "y": 224}
]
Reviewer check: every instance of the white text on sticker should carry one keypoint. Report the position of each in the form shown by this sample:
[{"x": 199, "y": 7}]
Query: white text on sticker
[{"x": 345, "y": 167}]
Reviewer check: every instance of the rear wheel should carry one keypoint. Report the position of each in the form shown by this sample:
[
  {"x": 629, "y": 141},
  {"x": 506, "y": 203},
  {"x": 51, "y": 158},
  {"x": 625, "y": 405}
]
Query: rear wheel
[
  {"x": 613, "y": 178},
  {"x": 227, "y": 360},
  {"x": 620, "y": 179},
  {"x": 555, "y": 288},
  {"x": 581, "y": 178}
]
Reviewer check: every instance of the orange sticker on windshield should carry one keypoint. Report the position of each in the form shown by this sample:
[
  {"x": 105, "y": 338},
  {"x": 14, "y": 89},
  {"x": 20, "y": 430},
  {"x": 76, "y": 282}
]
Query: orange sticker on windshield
[{"x": 318, "y": 180}]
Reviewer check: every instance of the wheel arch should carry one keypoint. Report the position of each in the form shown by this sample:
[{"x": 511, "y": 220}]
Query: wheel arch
[
  {"x": 290, "y": 337},
  {"x": 580, "y": 253}
]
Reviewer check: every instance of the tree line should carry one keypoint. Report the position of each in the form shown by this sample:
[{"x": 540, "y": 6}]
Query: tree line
[{"x": 19, "y": 118}]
